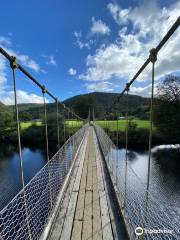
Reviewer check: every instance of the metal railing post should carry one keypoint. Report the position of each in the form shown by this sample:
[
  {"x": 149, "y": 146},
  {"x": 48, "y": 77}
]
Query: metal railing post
[
  {"x": 153, "y": 59},
  {"x": 126, "y": 158},
  {"x": 117, "y": 148},
  {"x": 47, "y": 143},
  {"x": 57, "y": 115},
  {"x": 14, "y": 66}
]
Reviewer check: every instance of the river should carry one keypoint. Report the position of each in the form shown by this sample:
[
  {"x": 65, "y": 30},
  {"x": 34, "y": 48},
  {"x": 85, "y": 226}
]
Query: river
[{"x": 165, "y": 181}]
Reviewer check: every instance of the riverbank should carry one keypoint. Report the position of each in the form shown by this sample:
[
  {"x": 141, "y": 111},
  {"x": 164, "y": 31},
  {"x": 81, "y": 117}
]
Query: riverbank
[
  {"x": 139, "y": 138},
  {"x": 34, "y": 136},
  {"x": 138, "y": 133}
]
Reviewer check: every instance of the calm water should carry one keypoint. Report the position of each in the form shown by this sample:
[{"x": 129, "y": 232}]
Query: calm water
[
  {"x": 164, "y": 182},
  {"x": 33, "y": 161},
  {"x": 164, "y": 188},
  {"x": 165, "y": 178}
]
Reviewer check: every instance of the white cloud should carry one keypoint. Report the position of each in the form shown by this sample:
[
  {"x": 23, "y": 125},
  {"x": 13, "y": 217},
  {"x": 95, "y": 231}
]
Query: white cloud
[
  {"x": 119, "y": 15},
  {"x": 143, "y": 91},
  {"x": 7, "y": 97},
  {"x": 72, "y": 71},
  {"x": 100, "y": 87},
  {"x": 110, "y": 61},
  {"x": 98, "y": 27},
  {"x": 23, "y": 59},
  {"x": 5, "y": 41},
  {"x": 50, "y": 60},
  {"x": 81, "y": 44},
  {"x": 3, "y": 75},
  {"x": 122, "y": 59},
  {"x": 26, "y": 61}
]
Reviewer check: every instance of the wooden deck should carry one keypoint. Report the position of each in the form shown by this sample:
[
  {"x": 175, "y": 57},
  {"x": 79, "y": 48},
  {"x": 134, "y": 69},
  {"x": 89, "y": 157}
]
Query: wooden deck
[{"x": 84, "y": 212}]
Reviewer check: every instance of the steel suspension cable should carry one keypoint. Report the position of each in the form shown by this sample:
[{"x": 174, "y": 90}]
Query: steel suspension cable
[
  {"x": 117, "y": 129},
  {"x": 57, "y": 116},
  {"x": 126, "y": 154},
  {"x": 72, "y": 129},
  {"x": 47, "y": 142},
  {"x": 64, "y": 123},
  {"x": 14, "y": 66},
  {"x": 89, "y": 117},
  {"x": 166, "y": 37},
  {"x": 72, "y": 116},
  {"x": 153, "y": 58},
  {"x": 113, "y": 124},
  {"x": 117, "y": 144},
  {"x": 26, "y": 73},
  {"x": 68, "y": 125}
]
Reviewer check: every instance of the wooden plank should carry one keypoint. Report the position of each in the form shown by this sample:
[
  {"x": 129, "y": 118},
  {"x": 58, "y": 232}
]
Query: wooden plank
[
  {"x": 78, "y": 219},
  {"x": 52, "y": 221},
  {"x": 89, "y": 174},
  {"x": 57, "y": 229},
  {"x": 99, "y": 175},
  {"x": 87, "y": 212},
  {"x": 77, "y": 230},
  {"x": 68, "y": 224},
  {"x": 81, "y": 195},
  {"x": 97, "y": 230},
  {"x": 87, "y": 224},
  {"x": 67, "y": 228},
  {"x": 61, "y": 216},
  {"x": 58, "y": 225},
  {"x": 80, "y": 169},
  {"x": 105, "y": 217}
]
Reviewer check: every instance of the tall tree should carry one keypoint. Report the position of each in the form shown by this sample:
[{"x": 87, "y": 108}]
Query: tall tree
[
  {"x": 83, "y": 104},
  {"x": 167, "y": 108}
]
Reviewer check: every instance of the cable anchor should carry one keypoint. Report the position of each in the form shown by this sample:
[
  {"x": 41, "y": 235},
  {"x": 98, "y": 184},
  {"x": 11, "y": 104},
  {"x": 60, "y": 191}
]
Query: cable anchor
[
  {"x": 44, "y": 89},
  {"x": 153, "y": 55},
  {"x": 13, "y": 63},
  {"x": 127, "y": 87}
]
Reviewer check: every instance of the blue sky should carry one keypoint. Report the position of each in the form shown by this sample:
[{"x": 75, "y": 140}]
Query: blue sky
[{"x": 75, "y": 47}]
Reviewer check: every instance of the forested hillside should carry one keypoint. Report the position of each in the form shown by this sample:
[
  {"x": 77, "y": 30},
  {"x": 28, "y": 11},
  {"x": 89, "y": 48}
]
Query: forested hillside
[
  {"x": 102, "y": 102},
  {"x": 99, "y": 101}
]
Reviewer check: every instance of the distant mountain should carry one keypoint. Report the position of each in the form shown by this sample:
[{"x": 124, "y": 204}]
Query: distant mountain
[
  {"x": 99, "y": 101},
  {"x": 138, "y": 106}
]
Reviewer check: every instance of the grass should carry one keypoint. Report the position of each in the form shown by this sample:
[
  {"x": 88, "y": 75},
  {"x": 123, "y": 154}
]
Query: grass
[
  {"x": 74, "y": 123},
  {"x": 25, "y": 125},
  {"x": 112, "y": 125},
  {"x": 69, "y": 123}
]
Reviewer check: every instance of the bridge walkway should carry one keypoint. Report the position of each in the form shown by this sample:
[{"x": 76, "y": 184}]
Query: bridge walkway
[{"x": 84, "y": 212}]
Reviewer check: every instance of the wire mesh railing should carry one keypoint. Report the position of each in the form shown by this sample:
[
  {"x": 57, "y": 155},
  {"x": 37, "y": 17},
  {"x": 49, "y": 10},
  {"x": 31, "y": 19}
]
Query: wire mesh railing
[
  {"x": 137, "y": 211},
  {"x": 40, "y": 195}
]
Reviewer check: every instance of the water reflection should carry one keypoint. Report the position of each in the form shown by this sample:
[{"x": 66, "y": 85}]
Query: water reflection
[
  {"x": 33, "y": 161},
  {"x": 164, "y": 180},
  {"x": 164, "y": 177}
]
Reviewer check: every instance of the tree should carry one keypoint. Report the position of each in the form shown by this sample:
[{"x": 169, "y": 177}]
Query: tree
[
  {"x": 52, "y": 126},
  {"x": 83, "y": 104},
  {"x": 166, "y": 116},
  {"x": 6, "y": 117}
]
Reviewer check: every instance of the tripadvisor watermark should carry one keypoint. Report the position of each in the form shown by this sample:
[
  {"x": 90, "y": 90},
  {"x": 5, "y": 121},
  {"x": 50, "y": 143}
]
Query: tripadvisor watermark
[{"x": 140, "y": 231}]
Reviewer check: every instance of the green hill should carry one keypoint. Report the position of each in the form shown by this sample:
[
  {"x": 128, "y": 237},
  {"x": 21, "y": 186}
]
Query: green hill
[
  {"x": 102, "y": 102},
  {"x": 99, "y": 101}
]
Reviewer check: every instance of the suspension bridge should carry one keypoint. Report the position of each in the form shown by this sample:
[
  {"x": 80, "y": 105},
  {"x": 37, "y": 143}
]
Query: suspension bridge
[{"x": 84, "y": 192}]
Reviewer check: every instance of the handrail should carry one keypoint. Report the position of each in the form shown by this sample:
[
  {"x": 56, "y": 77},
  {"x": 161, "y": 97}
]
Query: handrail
[{"x": 12, "y": 60}]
